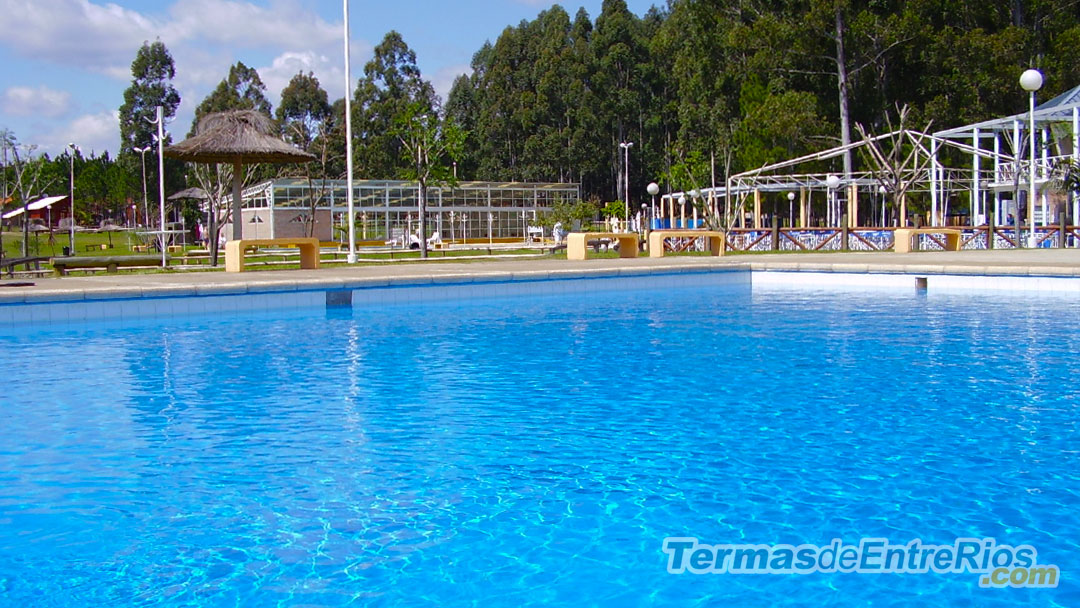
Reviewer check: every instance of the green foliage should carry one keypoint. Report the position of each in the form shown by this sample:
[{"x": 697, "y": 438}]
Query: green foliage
[
  {"x": 243, "y": 89},
  {"x": 614, "y": 209},
  {"x": 390, "y": 89},
  {"x": 744, "y": 83},
  {"x": 689, "y": 171},
  {"x": 428, "y": 146},
  {"x": 304, "y": 111},
  {"x": 569, "y": 212},
  {"x": 152, "y": 72}
]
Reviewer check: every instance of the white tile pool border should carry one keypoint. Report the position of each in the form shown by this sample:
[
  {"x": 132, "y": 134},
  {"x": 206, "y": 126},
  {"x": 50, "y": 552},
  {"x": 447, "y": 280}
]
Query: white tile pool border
[{"x": 81, "y": 307}]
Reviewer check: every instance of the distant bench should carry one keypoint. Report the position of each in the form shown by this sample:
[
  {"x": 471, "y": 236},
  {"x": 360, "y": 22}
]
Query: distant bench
[
  {"x": 902, "y": 238},
  {"x": 717, "y": 240},
  {"x": 236, "y": 250},
  {"x": 577, "y": 243},
  {"x": 110, "y": 263}
]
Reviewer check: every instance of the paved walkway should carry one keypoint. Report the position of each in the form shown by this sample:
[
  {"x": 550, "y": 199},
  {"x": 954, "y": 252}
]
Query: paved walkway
[{"x": 1041, "y": 262}]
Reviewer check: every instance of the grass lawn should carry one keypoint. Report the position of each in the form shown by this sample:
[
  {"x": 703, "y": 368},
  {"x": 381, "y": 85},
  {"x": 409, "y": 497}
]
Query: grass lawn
[{"x": 42, "y": 244}]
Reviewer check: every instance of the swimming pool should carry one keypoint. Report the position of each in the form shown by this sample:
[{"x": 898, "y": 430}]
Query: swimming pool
[{"x": 536, "y": 450}]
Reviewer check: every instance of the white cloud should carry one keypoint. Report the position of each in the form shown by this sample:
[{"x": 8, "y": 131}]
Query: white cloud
[
  {"x": 278, "y": 74},
  {"x": 248, "y": 25},
  {"x": 205, "y": 37},
  {"x": 443, "y": 80},
  {"x": 93, "y": 133},
  {"x": 100, "y": 38},
  {"x": 104, "y": 38},
  {"x": 40, "y": 101}
]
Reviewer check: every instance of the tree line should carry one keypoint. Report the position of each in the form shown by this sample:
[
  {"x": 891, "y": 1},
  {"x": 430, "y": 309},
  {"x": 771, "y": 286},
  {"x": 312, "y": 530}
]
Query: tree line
[{"x": 702, "y": 88}]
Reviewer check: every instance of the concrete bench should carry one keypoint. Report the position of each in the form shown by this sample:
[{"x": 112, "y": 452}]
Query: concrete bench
[
  {"x": 577, "y": 243},
  {"x": 236, "y": 250},
  {"x": 902, "y": 238},
  {"x": 717, "y": 240},
  {"x": 111, "y": 263},
  {"x": 10, "y": 263}
]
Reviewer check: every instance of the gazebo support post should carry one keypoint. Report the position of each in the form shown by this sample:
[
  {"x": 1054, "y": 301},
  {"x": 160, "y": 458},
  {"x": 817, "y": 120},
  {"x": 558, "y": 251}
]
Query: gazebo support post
[{"x": 237, "y": 221}]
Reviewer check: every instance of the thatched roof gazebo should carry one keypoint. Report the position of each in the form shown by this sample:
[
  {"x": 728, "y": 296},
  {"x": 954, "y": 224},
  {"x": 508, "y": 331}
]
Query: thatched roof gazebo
[
  {"x": 197, "y": 194},
  {"x": 236, "y": 137}
]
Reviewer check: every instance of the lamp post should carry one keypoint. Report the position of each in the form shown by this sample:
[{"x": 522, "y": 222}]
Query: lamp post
[
  {"x": 71, "y": 157},
  {"x": 146, "y": 206},
  {"x": 653, "y": 189},
  {"x": 682, "y": 212},
  {"x": 791, "y": 209},
  {"x": 832, "y": 182},
  {"x": 1031, "y": 81},
  {"x": 159, "y": 121},
  {"x": 626, "y": 145},
  {"x": 350, "y": 203}
]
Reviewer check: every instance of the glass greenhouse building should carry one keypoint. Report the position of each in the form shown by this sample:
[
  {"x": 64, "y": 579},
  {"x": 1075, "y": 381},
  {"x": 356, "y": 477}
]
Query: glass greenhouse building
[{"x": 387, "y": 210}]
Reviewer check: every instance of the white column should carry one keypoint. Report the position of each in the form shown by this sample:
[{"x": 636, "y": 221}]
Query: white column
[
  {"x": 438, "y": 224},
  {"x": 1076, "y": 159},
  {"x": 1045, "y": 174},
  {"x": 1017, "y": 179},
  {"x": 270, "y": 207},
  {"x": 997, "y": 178},
  {"x": 933, "y": 183},
  {"x": 976, "y": 212}
]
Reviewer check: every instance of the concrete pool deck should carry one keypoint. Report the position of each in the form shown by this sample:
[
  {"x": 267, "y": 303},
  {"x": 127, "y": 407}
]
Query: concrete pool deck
[{"x": 1017, "y": 263}]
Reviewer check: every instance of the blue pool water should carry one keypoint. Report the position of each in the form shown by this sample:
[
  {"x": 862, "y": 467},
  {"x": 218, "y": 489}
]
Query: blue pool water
[{"x": 536, "y": 450}]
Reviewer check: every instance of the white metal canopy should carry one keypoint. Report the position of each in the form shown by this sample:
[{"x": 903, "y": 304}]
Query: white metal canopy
[{"x": 48, "y": 201}]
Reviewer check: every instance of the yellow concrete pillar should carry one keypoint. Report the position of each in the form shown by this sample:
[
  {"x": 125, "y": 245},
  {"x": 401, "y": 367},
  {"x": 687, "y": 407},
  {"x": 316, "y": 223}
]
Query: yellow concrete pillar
[
  {"x": 802, "y": 207},
  {"x": 757, "y": 209},
  {"x": 853, "y": 205}
]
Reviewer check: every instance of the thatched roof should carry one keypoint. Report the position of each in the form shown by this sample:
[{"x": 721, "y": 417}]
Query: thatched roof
[
  {"x": 195, "y": 193},
  {"x": 238, "y": 136}
]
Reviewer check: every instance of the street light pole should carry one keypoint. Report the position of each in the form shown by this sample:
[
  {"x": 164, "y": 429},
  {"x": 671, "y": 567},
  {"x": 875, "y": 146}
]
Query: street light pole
[
  {"x": 626, "y": 145},
  {"x": 146, "y": 205},
  {"x": 73, "y": 148},
  {"x": 348, "y": 145},
  {"x": 653, "y": 189},
  {"x": 159, "y": 120},
  {"x": 1031, "y": 81}
]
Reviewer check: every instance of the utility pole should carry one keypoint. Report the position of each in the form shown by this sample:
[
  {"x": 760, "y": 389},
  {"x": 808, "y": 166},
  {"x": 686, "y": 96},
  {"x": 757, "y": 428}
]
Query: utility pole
[
  {"x": 73, "y": 148},
  {"x": 145, "y": 205},
  {"x": 626, "y": 145}
]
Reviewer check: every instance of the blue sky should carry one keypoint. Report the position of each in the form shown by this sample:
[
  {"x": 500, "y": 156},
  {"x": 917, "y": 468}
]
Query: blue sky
[{"x": 64, "y": 64}]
